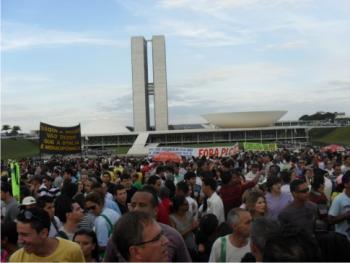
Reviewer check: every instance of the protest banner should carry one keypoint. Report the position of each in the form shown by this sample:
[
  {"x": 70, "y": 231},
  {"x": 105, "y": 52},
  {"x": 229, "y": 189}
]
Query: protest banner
[
  {"x": 182, "y": 151},
  {"x": 262, "y": 147},
  {"x": 15, "y": 180},
  {"x": 59, "y": 140},
  {"x": 197, "y": 152},
  {"x": 218, "y": 151}
]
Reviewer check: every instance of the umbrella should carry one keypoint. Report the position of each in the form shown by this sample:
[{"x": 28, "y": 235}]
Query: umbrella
[
  {"x": 333, "y": 148},
  {"x": 167, "y": 156}
]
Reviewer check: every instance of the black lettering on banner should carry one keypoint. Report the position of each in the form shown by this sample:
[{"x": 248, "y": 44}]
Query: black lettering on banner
[{"x": 59, "y": 140}]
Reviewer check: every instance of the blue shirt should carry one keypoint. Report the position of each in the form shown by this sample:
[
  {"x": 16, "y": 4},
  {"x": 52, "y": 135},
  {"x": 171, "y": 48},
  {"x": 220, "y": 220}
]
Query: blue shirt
[{"x": 102, "y": 228}]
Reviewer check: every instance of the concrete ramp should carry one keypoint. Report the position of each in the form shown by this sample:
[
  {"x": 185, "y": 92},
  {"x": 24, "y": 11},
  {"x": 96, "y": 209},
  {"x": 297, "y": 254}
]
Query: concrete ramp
[{"x": 139, "y": 147}]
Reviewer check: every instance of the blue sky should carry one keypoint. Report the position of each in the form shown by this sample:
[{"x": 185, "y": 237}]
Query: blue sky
[{"x": 68, "y": 61}]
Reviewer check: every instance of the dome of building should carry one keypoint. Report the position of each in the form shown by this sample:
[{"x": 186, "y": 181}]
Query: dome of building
[{"x": 249, "y": 119}]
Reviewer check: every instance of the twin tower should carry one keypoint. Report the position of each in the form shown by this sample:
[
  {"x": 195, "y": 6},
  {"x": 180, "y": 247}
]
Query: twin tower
[{"x": 143, "y": 89}]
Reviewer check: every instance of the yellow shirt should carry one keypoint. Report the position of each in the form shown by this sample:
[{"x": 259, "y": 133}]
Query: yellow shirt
[{"x": 66, "y": 251}]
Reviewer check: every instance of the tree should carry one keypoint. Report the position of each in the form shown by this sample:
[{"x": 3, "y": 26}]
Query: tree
[
  {"x": 15, "y": 130},
  {"x": 5, "y": 128}
]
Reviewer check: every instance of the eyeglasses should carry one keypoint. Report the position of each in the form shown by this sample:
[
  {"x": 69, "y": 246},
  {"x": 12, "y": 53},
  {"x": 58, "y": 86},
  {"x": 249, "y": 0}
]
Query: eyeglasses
[
  {"x": 155, "y": 239},
  {"x": 93, "y": 207},
  {"x": 303, "y": 190}
]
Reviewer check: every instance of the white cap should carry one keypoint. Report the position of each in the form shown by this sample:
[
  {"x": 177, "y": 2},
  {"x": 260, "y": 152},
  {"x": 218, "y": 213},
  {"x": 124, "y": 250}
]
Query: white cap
[{"x": 29, "y": 200}]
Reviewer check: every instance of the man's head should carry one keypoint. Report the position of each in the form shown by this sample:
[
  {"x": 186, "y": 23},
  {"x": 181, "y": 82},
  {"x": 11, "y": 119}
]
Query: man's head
[
  {"x": 6, "y": 191},
  {"x": 106, "y": 177},
  {"x": 317, "y": 183},
  {"x": 347, "y": 160},
  {"x": 155, "y": 182},
  {"x": 240, "y": 220},
  {"x": 125, "y": 180},
  {"x": 139, "y": 238},
  {"x": 95, "y": 202},
  {"x": 89, "y": 186},
  {"x": 120, "y": 194},
  {"x": 190, "y": 177},
  {"x": 33, "y": 226},
  {"x": 346, "y": 180},
  {"x": 47, "y": 181},
  {"x": 299, "y": 190},
  {"x": 209, "y": 186},
  {"x": 68, "y": 210},
  {"x": 67, "y": 175},
  {"x": 46, "y": 202},
  {"x": 182, "y": 189},
  {"x": 145, "y": 200},
  {"x": 262, "y": 229},
  {"x": 274, "y": 184},
  {"x": 294, "y": 246}
]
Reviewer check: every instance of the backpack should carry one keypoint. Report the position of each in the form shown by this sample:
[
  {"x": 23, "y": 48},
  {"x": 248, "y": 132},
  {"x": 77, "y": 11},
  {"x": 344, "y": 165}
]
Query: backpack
[
  {"x": 62, "y": 234},
  {"x": 109, "y": 223},
  {"x": 223, "y": 249}
]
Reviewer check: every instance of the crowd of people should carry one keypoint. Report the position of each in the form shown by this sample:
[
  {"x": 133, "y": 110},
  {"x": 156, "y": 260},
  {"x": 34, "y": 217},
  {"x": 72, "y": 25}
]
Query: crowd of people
[{"x": 253, "y": 206}]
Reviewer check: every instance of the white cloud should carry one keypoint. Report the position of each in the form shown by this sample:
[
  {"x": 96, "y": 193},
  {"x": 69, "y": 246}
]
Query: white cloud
[
  {"x": 17, "y": 36},
  {"x": 290, "y": 45}
]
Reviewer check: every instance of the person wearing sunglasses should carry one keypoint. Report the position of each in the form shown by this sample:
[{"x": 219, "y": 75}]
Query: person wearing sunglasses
[
  {"x": 140, "y": 238},
  {"x": 33, "y": 227},
  {"x": 301, "y": 212},
  {"x": 105, "y": 218}
]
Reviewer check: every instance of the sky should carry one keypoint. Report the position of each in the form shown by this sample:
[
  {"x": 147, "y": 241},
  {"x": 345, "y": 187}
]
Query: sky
[{"x": 66, "y": 62}]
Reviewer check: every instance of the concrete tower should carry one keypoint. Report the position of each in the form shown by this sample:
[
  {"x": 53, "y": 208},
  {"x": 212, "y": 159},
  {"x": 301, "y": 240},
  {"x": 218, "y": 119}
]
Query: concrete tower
[
  {"x": 142, "y": 89},
  {"x": 140, "y": 83}
]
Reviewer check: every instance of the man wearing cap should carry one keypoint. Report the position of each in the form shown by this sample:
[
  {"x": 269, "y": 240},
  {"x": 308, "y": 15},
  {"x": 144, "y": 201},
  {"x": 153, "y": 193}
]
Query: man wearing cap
[
  {"x": 33, "y": 226},
  {"x": 28, "y": 202}
]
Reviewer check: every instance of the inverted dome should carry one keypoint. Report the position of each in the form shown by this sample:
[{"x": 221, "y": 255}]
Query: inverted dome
[{"x": 249, "y": 119}]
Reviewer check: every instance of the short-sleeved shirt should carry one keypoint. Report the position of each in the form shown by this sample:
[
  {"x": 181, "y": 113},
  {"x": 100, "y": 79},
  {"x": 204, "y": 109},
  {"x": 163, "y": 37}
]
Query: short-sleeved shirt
[
  {"x": 341, "y": 205},
  {"x": 276, "y": 204},
  {"x": 102, "y": 227},
  {"x": 66, "y": 251},
  {"x": 12, "y": 210},
  {"x": 216, "y": 207},
  {"x": 303, "y": 217},
  {"x": 233, "y": 254}
]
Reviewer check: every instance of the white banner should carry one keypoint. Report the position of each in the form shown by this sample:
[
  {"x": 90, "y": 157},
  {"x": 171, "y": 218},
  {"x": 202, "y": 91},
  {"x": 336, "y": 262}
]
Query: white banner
[
  {"x": 187, "y": 152},
  {"x": 223, "y": 151}
]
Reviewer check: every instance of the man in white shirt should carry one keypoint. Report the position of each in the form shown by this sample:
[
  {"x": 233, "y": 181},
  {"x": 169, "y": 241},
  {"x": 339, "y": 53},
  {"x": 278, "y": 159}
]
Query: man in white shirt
[
  {"x": 214, "y": 203},
  {"x": 233, "y": 247}
]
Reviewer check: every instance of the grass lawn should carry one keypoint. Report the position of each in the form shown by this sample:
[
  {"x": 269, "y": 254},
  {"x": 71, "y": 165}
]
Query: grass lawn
[
  {"x": 18, "y": 148},
  {"x": 340, "y": 135}
]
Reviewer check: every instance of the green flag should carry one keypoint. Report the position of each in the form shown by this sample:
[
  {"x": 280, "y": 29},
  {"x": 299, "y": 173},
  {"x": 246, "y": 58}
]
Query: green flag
[{"x": 15, "y": 180}]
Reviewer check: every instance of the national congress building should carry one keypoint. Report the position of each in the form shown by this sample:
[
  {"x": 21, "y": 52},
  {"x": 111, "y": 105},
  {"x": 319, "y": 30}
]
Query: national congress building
[{"x": 262, "y": 126}]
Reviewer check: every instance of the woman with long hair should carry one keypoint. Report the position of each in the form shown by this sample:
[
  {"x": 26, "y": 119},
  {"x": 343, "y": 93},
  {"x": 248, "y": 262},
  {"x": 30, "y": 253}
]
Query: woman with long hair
[
  {"x": 88, "y": 243},
  {"x": 256, "y": 203}
]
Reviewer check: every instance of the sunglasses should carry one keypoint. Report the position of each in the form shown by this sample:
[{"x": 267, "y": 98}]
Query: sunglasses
[
  {"x": 303, "y": 190},
  {"x": 155, "y": 239},
  {"x": 93, "y": 207}
]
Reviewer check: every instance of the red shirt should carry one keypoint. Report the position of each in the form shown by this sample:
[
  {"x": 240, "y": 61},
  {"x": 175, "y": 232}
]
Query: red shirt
[
  {"x": 164, "y": 211},
  {"x": 231, "y": 195}
]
